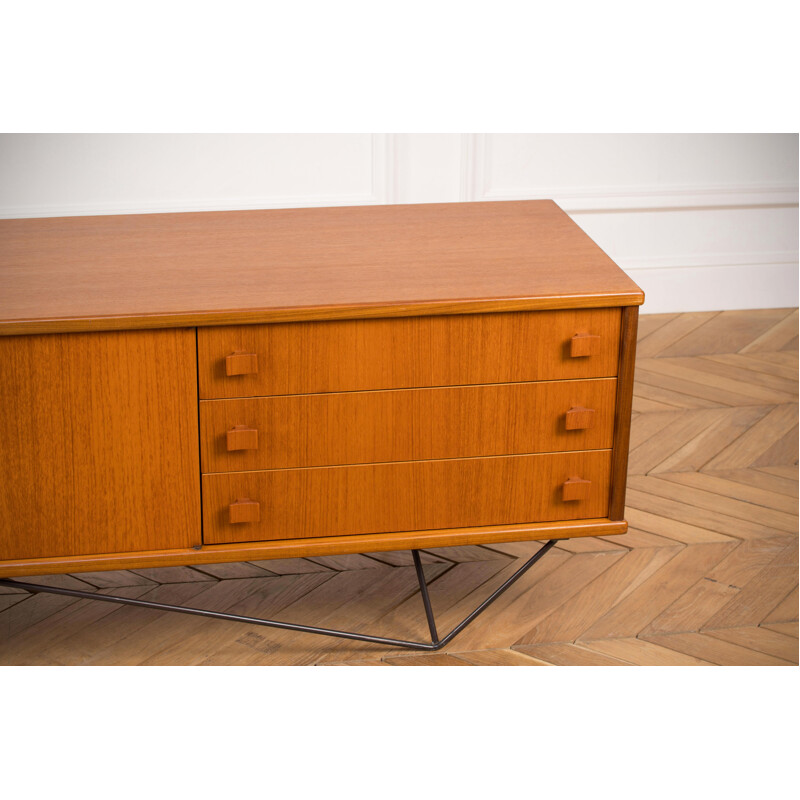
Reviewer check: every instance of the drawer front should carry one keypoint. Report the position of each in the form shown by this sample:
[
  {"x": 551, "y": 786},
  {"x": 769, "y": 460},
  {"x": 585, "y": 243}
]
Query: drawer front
[
  {"x": 412, "y": 352},
  {"x": 407, "y": 496},
  {"x": 406, "y": 425}
]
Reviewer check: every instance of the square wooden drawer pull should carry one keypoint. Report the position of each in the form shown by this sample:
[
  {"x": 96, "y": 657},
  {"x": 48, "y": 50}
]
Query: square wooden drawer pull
[
  {"x": 584, "y": 344},
  {"x": 240, "y": 363},
  {"x": 242, "y": 438},
  {"x": 244, "y": 510},
  {"x": 578, "y": 419},
  {"x": 575, "y": 489}
]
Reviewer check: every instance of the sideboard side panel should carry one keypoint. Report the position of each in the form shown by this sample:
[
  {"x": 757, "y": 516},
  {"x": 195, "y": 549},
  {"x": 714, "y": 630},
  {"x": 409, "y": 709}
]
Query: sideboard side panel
[
  {"x": 98, "y": 443},
  {"x": 624, "y": 407}
]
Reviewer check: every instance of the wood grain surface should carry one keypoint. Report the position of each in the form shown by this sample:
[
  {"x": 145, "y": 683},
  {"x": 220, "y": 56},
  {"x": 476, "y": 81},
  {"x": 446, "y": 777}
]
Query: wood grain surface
[
  {"x": 405, "y": 496},
  {"x": 706, "y": 574},
  {"x": 176, "y": 270},
  {"x": 623, "y": 406},
  {"x": 403, "y": 425},
  {"x": 98, "y": 435},
  {"x": 294, "y": 549},
  {"x": 355, "y": 355}
]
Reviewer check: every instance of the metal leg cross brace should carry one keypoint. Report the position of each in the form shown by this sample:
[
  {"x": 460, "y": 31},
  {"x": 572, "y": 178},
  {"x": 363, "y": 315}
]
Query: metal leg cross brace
[{"x": 435, "y": 644}]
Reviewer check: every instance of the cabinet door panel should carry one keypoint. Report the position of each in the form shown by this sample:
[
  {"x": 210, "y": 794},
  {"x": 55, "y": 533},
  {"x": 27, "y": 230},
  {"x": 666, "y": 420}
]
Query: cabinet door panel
[{"x": 98, "y": 443}]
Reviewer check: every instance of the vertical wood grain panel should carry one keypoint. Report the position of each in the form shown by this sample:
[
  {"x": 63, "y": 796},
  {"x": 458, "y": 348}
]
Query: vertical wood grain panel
[
  {"x": 98, "y": 435},
  {"x": 622, "y": 422}
]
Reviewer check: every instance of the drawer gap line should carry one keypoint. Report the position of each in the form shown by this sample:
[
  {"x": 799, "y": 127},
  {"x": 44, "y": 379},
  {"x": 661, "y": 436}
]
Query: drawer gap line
[{"x": 409, "y": 388}]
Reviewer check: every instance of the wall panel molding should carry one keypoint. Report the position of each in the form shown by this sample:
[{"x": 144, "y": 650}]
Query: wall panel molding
[
  {"x": 726, "y": 237},
  {"x": 381, "y": 189},
  {"x": 664, "y": 236},
  {"x": 476, "y": 185}
]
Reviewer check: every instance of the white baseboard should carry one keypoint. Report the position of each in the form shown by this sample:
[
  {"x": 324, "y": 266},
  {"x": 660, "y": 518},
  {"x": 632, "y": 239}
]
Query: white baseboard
[{"x": 717, "y": 288}]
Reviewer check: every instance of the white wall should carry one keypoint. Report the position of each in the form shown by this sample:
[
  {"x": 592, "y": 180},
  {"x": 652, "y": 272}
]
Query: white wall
[{"x": 700, "y": 221}]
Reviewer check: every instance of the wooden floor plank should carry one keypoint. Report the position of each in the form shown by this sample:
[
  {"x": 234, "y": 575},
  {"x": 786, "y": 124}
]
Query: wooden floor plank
[
  {"x": 682, "y": 427},
  {"x": 32, "y": 645},
  {"x": 773, "y": 389},
  {"x": 569, "y": 655},
  {"x": 786, "y": 628},
  {"x": 648, "y": 509},
  {"x": 789, "y": 471},
  {"x": 785, "y": 610},
  {"x": 464, "y": 553},
  {"x": 754, "y": 486},
  {"x": 687, "y": 492},
  {"x": 233, "y": 570},
  {"x": 642, "y": 653},
  {"x": 759, "y": 596},
  {"x": 675, "y": 380},
  {"x": 347, "y": 562},
  {"x": 591, "y": 544},
  {"x": 510, "y": 617},
  {"x": 114, "y": 578},
  {"x": 775, "y": 337},
  {"x": 427, "y": 660},
  {"x": 649, "y": 323},
  {"x": 690, "y": 443},
  {"x": 353, "y": 600},
  {"x": 759, "y": 367},
  {"x": 782, "y": 451},
  {"x": 403, "y": 558},
  {"x": 571, "y": 619},
  {"x": 645, "y": 426},
  {"x": 634, "y": 538},
  {"x": 649, "y": 390},
  {"x": 692, "y": 610},
  {"x": 715, "y": 650},
  {"x": 660, "y": 520},
  {"x": 727, "y": 332},
  {"x": 673, "y": 332},
  {"x": 172, "y": 574},
  {"x": 172, "y": 632},
  {"x": 8, "y": 600},
  {"x": 317, "y": 607},
  {"x": 643, "y": 405},
  {"x": 747, "y": 449},
  {"x": 88, "y": 644},
  {"x": 499, "y": 658},
  {"x": 384, "y": 610},
  {"x": 21, "y": 616},
  {"x": 407, "y": 621},
  {"x": 675, "y": 375},
  {"x": 639, "y": 608},
  {"x": 760, "y": 639},
  {"x": 290, "y": 566},
  {"x": 204, "y": 637},
  {"x": 60, "y": 581}
]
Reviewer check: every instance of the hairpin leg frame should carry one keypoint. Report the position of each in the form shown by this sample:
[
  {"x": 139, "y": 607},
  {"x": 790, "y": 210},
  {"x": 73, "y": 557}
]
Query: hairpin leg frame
[{"x": 435, "y": 644}]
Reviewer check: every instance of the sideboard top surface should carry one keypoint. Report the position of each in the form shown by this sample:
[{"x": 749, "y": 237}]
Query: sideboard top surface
[{"x": 234, "y": 267}]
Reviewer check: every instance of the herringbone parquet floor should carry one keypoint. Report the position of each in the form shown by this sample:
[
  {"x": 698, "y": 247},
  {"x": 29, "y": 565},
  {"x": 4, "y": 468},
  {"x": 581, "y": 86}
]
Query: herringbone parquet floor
[{"x": 708, "y": 573}]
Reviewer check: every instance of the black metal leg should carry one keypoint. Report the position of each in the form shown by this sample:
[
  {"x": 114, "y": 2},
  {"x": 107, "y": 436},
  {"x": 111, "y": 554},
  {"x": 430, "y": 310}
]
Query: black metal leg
[
  {"x": 426, "y": 600},
  {"x": 435, "y": 643},
  {"x": 496, "y": 593}
]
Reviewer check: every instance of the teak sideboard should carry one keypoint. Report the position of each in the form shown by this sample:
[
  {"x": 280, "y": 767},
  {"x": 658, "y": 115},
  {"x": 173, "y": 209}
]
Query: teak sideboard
[{"x": 227, "y": 386}]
